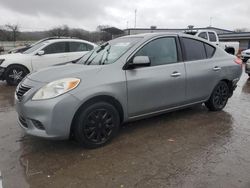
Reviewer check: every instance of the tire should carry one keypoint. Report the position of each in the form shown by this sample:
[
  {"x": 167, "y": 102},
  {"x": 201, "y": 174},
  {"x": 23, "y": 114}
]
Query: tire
[
  {"x": 219, "y": 97},
  {"x": 245, "y": 60},
  {"x": 249, "y": 74},
  {"x": 96, "y": 124},
  {"x": 14, "y": 74}
]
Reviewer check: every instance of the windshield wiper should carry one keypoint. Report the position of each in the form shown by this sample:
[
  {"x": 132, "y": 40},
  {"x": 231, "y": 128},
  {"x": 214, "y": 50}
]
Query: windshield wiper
[
  {"x": 97, "y": 51},
  {"x": 102, "y": 47},
  {"x": 106, "y": 58}
]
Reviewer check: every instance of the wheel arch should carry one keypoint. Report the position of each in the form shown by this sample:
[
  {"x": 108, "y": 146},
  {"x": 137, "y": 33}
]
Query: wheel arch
[
  {"x": 101, "y": 98},
  {"x": 19, "y": 65}
]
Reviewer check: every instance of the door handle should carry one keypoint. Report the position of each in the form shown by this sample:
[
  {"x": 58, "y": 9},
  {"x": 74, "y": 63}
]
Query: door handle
[
  {"x": 176, "y": 74},
  {"x": 216, "y": 68}
]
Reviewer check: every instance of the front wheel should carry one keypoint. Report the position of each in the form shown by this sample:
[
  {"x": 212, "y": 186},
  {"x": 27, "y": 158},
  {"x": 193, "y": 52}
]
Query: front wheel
[
  {"x": 14, "y": 74},
  {"x": 219, "y": 97},
  {"x": 96, "y": 124}
]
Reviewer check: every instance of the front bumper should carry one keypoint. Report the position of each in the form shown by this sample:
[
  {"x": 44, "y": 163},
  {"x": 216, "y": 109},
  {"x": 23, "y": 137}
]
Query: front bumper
[
  {"x": 50, "y": 118},
  {"x": 2, "y": 70}
]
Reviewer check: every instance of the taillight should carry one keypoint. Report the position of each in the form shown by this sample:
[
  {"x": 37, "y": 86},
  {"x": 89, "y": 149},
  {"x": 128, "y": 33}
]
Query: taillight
[{"x": 238, "y": 61}]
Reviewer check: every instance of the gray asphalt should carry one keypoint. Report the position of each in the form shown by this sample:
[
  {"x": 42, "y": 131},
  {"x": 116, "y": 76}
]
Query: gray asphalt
[{"x": 188, "y": 148}]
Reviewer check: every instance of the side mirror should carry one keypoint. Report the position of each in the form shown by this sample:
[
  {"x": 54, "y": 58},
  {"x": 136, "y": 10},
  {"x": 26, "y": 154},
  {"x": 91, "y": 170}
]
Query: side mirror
[
  {"x": 139, "y": 61},
  {"x": 40, "y": 53}
]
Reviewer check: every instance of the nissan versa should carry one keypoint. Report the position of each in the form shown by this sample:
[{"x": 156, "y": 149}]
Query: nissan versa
[{"x": 125, "y": 79}]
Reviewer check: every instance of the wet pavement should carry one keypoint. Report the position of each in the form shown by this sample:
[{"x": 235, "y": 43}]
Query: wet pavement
[{"x": 188, "y": 148}]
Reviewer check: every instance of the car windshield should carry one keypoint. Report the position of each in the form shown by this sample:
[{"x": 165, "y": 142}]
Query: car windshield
[
  {"x": 109, "y": 52},
  {"x": 34, "y": 48}
]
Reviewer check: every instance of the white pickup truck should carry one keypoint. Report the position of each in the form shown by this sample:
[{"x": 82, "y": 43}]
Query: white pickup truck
[{"x": 211, "y": 36}]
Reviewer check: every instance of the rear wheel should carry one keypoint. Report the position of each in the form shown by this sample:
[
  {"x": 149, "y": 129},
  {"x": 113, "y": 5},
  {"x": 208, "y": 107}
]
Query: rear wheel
[
  {"x": 14, "y": 74},
  {"x": 96, "y": 124},
  {"x": 219, "y": 97}
]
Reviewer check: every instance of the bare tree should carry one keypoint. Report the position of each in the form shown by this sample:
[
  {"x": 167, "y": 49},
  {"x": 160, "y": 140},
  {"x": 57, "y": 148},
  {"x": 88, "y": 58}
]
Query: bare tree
[
  {"x": 14, "y": 30},
  {"x": 59, "y": 31},
  {"x": 80, "y": 33},
  {"x": 101, "y": 27},
  {"x": 241, "y": 30}
]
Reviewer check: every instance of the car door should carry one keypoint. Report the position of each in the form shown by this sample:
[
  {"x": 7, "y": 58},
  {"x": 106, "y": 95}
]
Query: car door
[
  {"x": 159, "y": 86},
  {"x": 202, "y": 70},
  {"x": 78, "y": 49},
  {"x": 55, "y": 53}
]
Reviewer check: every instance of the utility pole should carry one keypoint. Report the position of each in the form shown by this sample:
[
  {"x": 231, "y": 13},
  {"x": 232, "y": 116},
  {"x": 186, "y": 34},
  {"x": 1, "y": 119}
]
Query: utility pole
[
  {"x": 211, "y": 19},
  {"x": 135, "y": 17}
]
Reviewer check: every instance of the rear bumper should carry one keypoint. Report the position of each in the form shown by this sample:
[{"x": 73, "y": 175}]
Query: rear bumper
[{"x": 2, "y": 70}]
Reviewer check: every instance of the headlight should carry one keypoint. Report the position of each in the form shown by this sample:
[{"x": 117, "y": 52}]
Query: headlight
[
  {"x": 1, "y": 61},
  {"x": 56, "y": 88}
]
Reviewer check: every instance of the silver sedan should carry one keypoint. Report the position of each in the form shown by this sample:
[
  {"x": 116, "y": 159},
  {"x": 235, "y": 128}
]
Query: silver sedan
[{"x": 125, "y": 79}]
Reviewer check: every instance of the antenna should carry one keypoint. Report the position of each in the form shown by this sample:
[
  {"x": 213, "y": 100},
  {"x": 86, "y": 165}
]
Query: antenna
[
  {"x": 211, "y": 19},
  {"x": 135, "y": 17}
]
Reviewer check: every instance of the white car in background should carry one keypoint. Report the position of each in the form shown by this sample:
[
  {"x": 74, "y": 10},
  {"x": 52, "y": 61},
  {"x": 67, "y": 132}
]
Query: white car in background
[
  {"x": 230, "y": 47},
  {"x": 14, "y": 67},
  {"x": 245, "y": 55}
]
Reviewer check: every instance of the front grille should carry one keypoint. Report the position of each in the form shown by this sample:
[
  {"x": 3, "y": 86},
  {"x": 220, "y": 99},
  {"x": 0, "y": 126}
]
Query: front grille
[
  {"x": 21, "y": 90},
  {"x": 23, "y": 121}
]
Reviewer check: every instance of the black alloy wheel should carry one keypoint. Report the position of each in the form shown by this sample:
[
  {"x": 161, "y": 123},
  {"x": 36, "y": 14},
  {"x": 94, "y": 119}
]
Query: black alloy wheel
[
  {"x": 219, "y": 97},
  {"x": 96, "y": 124}
]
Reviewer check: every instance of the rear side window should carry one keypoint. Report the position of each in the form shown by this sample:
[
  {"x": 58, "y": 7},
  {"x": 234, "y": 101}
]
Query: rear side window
[
  {"x": 209, "y": 50},
  {"x": 194, "y": 49},
  {"x": 203, "y": 35},
  {"x": 58, "y": 47},
  {"x": 89, "y": 47},
  {"x": 212, "y": 37},
  {"x": 160, "y": 51},
  {"x": 77, "y": 47}
]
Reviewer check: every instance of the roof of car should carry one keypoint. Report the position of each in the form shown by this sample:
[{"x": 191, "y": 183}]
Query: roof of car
[
  {"x": 159, "y": 34},
  {"x": 67, "y": 40}
]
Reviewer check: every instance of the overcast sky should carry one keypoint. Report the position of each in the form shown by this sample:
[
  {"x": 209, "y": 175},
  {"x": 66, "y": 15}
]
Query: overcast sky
[{"x": 45, "y": 14}]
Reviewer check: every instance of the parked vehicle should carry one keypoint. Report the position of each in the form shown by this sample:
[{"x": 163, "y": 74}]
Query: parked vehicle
[
  {"x": 245, "y": 55},
  {"x": 126, "y": 79},
  {"x": 247, "y": 67},
  {"x": 14, "y": 67},
  {"x": 19, "y": 49},
  {"x": 22, "y": 49},
  {"x": 211, "y": 36}
]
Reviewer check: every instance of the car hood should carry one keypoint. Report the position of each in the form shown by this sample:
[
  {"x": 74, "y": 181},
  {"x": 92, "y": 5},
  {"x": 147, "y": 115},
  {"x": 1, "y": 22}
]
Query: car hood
[
  {"x": 13, "y": 56},
  {"x": 63, "y": 71}
]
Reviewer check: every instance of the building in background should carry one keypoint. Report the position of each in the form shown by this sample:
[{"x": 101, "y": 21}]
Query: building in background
[
  {"x": 224, "y": 35},
  {"x": 242, "y": 37}
]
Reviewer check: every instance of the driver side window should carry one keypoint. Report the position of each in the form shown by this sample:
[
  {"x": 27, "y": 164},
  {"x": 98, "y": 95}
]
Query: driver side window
[
  {"x": 58, "y": 47},
  {"x": 160, "y": 51}
]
